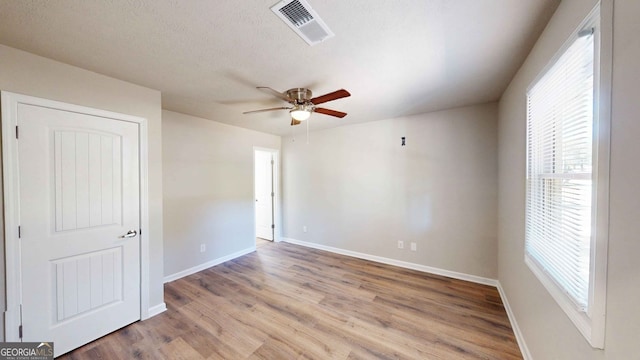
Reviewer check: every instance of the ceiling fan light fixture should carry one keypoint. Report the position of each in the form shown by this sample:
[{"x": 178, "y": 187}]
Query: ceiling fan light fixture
[{"x": 300, "y": 113}]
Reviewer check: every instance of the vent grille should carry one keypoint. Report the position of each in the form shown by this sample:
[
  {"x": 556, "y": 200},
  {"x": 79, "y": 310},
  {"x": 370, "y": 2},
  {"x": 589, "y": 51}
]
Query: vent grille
[
  {"x": 303, "y": 20},
  {"x": 296, "y": 13}
]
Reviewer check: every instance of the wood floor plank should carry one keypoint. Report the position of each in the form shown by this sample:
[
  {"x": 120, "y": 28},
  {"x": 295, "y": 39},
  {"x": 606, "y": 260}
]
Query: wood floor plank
[
  {"x": 174, "y": 298},
  {"x": 306, "y": 340},
  {"x": 289, "y": 302},
  {"x": 229, "y": 337},
  {"x": 274, "y": 281},
  {"x": 178, "y": 349}
]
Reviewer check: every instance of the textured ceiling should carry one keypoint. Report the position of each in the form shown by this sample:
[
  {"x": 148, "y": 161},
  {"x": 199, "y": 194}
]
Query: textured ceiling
[{"x": 395, "y": 57}]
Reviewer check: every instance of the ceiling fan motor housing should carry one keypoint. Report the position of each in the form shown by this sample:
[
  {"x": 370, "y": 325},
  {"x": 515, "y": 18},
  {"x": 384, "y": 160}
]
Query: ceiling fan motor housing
[{"x": 299, "y": 95}]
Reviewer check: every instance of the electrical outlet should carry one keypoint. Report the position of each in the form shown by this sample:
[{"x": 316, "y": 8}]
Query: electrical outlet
[
  {"x": 304, "y": 228},
  {"x": 414, "y": 246},
  {"x": 400, "y": 244},
  {"x": 203, "y": 248}
]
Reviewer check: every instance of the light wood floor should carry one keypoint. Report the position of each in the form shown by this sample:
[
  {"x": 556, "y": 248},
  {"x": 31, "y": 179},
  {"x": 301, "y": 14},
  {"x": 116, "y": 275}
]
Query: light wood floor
[
  {"x": 261, "y": 242},
  {"x": 291, "y": 302}
]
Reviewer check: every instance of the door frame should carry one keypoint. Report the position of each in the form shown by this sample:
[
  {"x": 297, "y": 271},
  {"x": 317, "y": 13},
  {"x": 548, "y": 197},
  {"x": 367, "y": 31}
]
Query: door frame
[
  {"x": 11, "y": 194},
  {"x": 275, "y": 153}
]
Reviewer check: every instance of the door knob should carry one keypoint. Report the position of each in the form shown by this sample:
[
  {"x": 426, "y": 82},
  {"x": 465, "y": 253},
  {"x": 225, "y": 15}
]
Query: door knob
[{"x": 129, "y": 234}]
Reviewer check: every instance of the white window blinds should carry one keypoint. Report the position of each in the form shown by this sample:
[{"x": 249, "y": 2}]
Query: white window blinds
[{"x": 560, "y": 112}]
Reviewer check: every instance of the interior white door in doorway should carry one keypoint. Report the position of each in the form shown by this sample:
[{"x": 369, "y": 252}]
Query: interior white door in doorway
[
  {"x": 264, "y": 192},
  {"x": 79, "y": 221}
]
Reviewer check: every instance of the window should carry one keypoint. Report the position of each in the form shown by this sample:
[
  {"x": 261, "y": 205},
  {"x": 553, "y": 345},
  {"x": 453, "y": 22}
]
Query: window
[{"x": 566, "y": 179}]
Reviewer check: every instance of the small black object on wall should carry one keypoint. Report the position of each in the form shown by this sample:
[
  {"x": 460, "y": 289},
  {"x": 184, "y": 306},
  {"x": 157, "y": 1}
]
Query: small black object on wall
[{"x": 403, "y": 141}]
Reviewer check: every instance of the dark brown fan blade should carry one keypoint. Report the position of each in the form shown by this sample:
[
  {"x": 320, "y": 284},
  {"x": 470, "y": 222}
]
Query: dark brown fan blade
[
  {"x": 275, "y": 93},
  {"x": 270, "y": 109},
  {"x": 338, "y": 94},
  {"x": 295, "y": 122},
  {"x": 335, "y": 113}
]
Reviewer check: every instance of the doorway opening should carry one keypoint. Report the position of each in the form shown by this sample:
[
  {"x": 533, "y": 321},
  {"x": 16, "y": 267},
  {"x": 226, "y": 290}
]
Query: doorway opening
[{"x": 265, "y": 188}]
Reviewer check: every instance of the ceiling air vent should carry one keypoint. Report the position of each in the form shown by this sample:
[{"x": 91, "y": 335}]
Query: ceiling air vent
[{"x": 300, "y": 17}]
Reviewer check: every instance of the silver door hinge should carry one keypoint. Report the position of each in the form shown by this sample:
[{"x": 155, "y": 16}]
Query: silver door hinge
[
  {"x": 273, "y": 226},
  {"x": 273, "y": 194},
  {"x": 19, "y": 231},
  {"x": 16, "y": 131},
  {"x": 20, "y": 331},
  {"x": 272, "y": 162}
]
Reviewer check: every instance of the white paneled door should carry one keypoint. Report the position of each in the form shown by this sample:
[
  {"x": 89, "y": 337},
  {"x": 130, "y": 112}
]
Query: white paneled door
[
  {"x": 264, "y": 194},
  {"x": 79, "y": 224}
]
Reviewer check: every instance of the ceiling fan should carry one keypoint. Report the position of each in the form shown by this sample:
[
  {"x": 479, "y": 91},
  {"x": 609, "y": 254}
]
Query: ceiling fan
[{"x": 303, "y": 104}]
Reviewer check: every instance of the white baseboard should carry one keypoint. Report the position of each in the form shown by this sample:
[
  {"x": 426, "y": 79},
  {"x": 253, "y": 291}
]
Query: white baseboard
[
  {"x": 402, "y": 264},
  {"x": 514, "y": 325},
  {"x": 157, "y": 309},
  {"x": 208, "y": 264}
]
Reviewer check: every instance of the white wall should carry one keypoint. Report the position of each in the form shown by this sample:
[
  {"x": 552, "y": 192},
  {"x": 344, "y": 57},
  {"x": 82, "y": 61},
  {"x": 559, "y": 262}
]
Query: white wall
[
  {"x": 208, "y": 189},
  {"x": 548, "y": 332},
  {"x": 24, "y": 73},
  {"x": 356, "y": 188}
]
